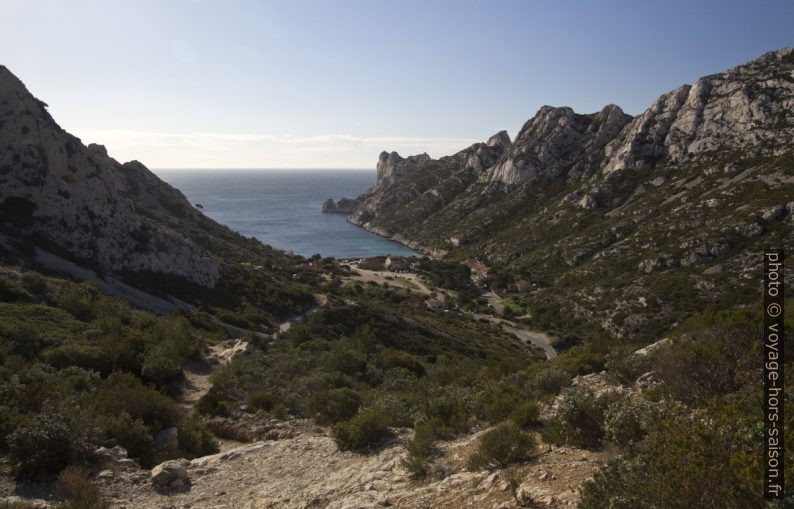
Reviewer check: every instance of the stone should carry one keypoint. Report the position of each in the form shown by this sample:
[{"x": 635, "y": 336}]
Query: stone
[
  {"x": 164, "y": 474},
  {"x": 646, "y": 380},
  {"x": 105, "y": 474},
  {"x": 654, "y": 347},
  {"x": 114, "y": 454},
  {"x": 774, "y": 213},
  {"x": 587, "y": 202},
  {"x": 126, "y": 463}
]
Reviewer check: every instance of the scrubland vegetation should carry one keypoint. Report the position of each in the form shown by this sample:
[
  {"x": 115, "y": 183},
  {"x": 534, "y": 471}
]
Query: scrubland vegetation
[{"x": 79, "y": 369}]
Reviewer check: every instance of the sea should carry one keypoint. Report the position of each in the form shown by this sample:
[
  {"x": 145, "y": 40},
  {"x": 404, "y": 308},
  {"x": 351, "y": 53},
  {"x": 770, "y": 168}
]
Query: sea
[{"x": 283, "y": 208}]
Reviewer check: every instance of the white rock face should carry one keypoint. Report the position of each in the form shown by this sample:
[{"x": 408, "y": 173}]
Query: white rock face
[
  {"x": 77, "y": 201},
  {"x": 557, "y": 143},
  {"x": 740, "y": 108},
  {"x": 392, "y": 167}
]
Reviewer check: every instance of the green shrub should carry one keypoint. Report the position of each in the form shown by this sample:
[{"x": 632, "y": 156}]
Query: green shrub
[
  {"x": 195, "y": 438},
  {"x": 260, "y": 400},
  {"x": 498, "y": 404},
  {"x": 450, "y": 407},
  {"x": 623, "y": 367},
  {"x": 12, "y": 293},
  {"x": 716, "y": 357},
  {"x": 550, "y": 381},
  {"x": 77, "y": 490},
  {"x": 367, "y": 429},
  {"x": 581, "y": 417},
  {"x": 77, "y": 300},
  {"x": 162, "y": 363},
  {"x": 501, "y": 446},
  {"x": 552, "y": 431},
  {"x": 49, "y": 441},
  {"x": 35, "y": 283},
  {"x": 10, "y": 420},
  {"x": 686, "y": 462},
  {"x": 84, "y": 355},
  {"x": 389, "y": 359},
  {"x": 397, "y": 409},
  {"x": 132, "y": 434},
  {"x": 525, "y": 415},
  {"x": 213, "y": 404},
  {"x": 419, "y": 449},
  {"x": 628, "y": 420},
  {"x": 333, "y": 405},
  {"x": 123, "y": 392}
]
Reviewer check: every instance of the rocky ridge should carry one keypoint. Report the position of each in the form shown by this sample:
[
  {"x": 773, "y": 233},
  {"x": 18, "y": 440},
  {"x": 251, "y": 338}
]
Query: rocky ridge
[{"x": 602, "y": 211}]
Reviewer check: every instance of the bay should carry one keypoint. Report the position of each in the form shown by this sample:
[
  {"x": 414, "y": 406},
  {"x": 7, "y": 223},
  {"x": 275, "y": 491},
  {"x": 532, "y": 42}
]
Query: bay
[{"x": 283, "y": 208}]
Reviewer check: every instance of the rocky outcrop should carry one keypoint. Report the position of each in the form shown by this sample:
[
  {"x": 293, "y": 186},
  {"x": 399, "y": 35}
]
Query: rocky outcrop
[
  {"x": 747, "y": 107},
  {"x": 79, "y": 203},
  {"x": 308, "y": 470},
  {"x": 558, "y": 143},
  {"x": 342, "y": 206},
  {"x": 392, "y": 167}
]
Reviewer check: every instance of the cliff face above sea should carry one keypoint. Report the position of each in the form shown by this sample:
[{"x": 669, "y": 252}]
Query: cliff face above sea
[
  {"x": 63, "y": 197},
  {"x": 604, "y": 202}
]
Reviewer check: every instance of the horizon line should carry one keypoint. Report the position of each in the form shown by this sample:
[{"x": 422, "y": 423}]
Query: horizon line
[{"x": 250, "y": 168}]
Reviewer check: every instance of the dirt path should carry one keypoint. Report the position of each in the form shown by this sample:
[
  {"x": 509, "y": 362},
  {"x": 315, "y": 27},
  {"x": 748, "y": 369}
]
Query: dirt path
[{"x": 196, "y": 383}]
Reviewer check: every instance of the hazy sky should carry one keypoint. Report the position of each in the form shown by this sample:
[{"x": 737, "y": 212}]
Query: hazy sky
[{"x": 198, "y": 84}]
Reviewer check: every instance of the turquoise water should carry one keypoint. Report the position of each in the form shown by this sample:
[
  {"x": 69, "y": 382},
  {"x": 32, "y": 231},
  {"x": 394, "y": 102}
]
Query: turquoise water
[{"x": 283, "y": 208}]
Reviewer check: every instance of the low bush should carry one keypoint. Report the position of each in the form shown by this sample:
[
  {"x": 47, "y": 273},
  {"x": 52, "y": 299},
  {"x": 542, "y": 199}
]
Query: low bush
[
  {"x": 503, "y": 445},
  {"x": 628, "y": 420},
  {"x": 550, "y": 381},
  {"x": 581, "y": 417},
  {"x": 333, "y": 406},
  {"x": 49, "y": 441},
  {"x": 623, "y": 367},
  {"x": 367, "y": 429},
  {"x": 497, "y": 404},
  {"x": 132, "y": 434},
  {"x": 525, "y": 415},
  {"x": 162, "y": 363},
  {"x": 260, "y": 400},
  {"x": 195, "y": 438},
  {"x": 419, "y": 449},
  {"x": 77, "y": 490},
  {"x": 123, "y": 392}
]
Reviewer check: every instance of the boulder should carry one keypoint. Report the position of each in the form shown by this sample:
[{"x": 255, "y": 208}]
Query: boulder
[
  {"x": 171, "y": 474},
  {"x": 653, "y": 348},
  {"x": 113, "y": 454},
  {"x": 774, "y": 213}
]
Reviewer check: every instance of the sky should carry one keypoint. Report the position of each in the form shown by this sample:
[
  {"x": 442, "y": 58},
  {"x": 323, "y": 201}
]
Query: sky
[{"x": 330, "y": 84}]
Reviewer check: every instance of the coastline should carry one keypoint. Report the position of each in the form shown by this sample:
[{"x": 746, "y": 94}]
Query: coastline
[{"x": 411, "y": 244}]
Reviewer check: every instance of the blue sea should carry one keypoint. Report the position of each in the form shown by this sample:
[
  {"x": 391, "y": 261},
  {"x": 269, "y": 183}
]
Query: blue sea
[{"x": 283, "y": 208}]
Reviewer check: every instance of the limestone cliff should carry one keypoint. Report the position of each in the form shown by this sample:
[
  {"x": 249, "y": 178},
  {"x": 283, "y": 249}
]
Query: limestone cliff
[
  {"x": 602, "y": 211},
  {"x": 77, "y": 202}
]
